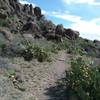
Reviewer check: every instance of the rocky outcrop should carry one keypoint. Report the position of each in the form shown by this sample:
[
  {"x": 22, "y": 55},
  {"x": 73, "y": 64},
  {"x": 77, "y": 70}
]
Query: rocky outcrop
[
  {"x": 39, "y": 25},
  {"x": 96, "y": 41},
  {"x": 37, "y": 12},
  {"x": 3, "y": 15},
  {"x": 71, "y": 34},
  {"x": 26, "y": 8},
  {"x": 12, "y": 7},
  {"x": 48, "y": 27},
  {"x": 23, "y": 12},
  {"x": 31, "y": 25},
  {"x": 59, "y": 30},
  {"x": 54, "y": 37},
  {"x": 31, "y": 12}
]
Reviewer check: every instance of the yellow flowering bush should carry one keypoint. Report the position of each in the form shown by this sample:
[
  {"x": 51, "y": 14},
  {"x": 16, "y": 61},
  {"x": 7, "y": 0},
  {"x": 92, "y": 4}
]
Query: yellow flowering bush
[{"x": 82, "y": 81}]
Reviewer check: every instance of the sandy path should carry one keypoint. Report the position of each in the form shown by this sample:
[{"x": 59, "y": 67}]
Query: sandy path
[
  {"x": 56, "y": 72},
  {"x": 37, "y": 78}
]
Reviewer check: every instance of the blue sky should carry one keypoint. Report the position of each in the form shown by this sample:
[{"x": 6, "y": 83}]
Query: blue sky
[{"x": 80, "y": 15}]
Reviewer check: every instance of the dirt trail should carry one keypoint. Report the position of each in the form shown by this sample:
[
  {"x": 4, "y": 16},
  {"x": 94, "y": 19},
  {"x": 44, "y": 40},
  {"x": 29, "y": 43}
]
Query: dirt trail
[
  {"x": 37, "y": 78},
  {"x": 56, "y": 72}
]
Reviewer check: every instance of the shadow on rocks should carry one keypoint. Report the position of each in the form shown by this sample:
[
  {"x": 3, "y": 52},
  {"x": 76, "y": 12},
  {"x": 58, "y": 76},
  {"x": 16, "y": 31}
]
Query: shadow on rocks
[{"x": 57, "y": 92}]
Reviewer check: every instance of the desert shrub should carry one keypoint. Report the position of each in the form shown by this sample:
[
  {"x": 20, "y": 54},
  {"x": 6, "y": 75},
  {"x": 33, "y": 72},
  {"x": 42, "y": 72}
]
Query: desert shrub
[
  {"x": 82, "y": 81},
  {"x": 4, "y": 23},
  {"x": 76, "y": 51},
  {"x": 64, "y": 44},
  {"x": 35, "y": 51},
  {"x": 57, "y": 46}
]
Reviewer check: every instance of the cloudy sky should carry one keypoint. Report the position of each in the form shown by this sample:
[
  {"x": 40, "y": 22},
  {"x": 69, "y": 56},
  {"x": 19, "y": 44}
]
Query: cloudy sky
[{"x": 81, "y": 15}]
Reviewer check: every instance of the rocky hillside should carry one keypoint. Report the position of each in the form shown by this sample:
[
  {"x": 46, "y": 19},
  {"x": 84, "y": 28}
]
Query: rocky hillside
[
  {"x": 29, "y": 22},
  {"x": 19, "y": 18},
  {"x": 27, "y": 38}
]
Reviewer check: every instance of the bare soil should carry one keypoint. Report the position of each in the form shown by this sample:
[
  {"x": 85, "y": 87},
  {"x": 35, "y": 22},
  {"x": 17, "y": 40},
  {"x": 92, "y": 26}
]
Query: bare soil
[{"x": 38, "y": 79}]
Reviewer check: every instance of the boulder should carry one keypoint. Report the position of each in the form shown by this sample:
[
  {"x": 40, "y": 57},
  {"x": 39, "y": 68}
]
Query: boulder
[
  {"x": 96, "y": 41},
  {"x": 28, "y": 36},
  {"x": 92, "y": 49},
  {"x": 37, "y": 12},
  {"x": 18, "y": 8},
  {"x": 3, "y": 15},
  {"x": 7, "y": 34},
  {"x": 31, "y": 9},
  {"x": 31, "y": 25},
  {"x": 53, "y": 36},
  {"x": 48, "y": 27},
  {"x": 71, "y": 34},
  {"x": 59, "y": 30},
  {"x": 26, "y": 9}
]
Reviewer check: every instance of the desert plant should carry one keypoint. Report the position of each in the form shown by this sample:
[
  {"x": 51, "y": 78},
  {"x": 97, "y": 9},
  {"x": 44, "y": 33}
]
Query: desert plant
[
  {"x": 4, "y": 23},
  {"x": 82, "y": 81},
  {"x": 35, "y": 51}
]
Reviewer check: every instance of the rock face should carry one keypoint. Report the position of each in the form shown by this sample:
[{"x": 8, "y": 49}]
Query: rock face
[
  {"x": 26, "y": 8},
  {"x": 59, "y": 30},
  {"x": 3, "y": 15},
  {"x": 37, "y": 12},
  {"x": 31, "y": 9},
  {"x": 31, "y": 26},
  {"x": 71, "y": 34},
  {"x": 48, "y": 27}
]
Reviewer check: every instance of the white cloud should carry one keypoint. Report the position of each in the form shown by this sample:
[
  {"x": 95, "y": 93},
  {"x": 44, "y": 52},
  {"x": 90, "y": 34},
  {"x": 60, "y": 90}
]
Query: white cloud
[
  {"x": 44, "y": 12},
  {"x": 91, "y": 2},
  {"x": 86, "y": 28},
  {"x": 26, "y": 2},
  {"x": 68, "y": 17}
]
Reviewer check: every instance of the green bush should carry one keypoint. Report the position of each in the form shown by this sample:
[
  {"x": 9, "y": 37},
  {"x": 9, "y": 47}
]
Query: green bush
[
  {"x": 82, "y": 81},
  {"x": 4, "y": 23},
  {"x": 35, "y": 51},
  {"x": 77, "y": 51},
  {"x": 65, "y": 44}
]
